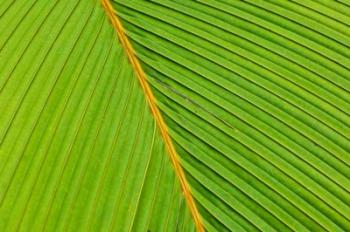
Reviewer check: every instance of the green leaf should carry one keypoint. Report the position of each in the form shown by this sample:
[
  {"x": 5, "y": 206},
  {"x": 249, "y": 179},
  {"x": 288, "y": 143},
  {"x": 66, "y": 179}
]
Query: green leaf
[
  {"x": 255, "y": 95},
  {"x": 80, "y": 149}
]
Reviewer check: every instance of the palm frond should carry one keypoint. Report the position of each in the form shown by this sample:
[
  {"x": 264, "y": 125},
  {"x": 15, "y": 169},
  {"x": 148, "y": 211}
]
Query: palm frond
[
  {"x": 256, "y": 95},
  {"x": 174, "y": 115},
  {"x": 80, "y": 149}
]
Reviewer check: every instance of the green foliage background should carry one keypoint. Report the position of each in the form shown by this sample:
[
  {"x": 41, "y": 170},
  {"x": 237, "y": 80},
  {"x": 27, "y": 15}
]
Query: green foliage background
[{"x": 256, "y": 95}]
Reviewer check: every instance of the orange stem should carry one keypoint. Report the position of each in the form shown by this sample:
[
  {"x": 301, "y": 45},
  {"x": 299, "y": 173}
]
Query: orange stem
[{"x": 155, "y": 111}]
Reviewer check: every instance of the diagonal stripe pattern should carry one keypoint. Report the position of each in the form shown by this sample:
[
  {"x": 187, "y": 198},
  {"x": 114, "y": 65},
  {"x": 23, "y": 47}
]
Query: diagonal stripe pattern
[
  {"x": 79, "y": 147},
  {"x": 256, "y": 95}
]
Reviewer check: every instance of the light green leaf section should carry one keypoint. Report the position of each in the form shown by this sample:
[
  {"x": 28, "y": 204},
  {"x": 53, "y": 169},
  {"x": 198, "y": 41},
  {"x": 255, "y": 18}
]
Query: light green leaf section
[
  {"x": 80, "y": 150},
  {"x": 257, "y": 98}
]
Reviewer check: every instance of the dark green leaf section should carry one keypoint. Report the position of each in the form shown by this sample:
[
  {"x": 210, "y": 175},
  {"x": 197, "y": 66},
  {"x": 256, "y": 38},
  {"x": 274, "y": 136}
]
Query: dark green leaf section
[
  {"x": 257, "y": 98},
  {"x": 80, "y": 150}
]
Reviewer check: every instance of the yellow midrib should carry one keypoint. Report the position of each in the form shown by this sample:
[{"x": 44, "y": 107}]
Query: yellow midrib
[{"x": 111, "y": 12}]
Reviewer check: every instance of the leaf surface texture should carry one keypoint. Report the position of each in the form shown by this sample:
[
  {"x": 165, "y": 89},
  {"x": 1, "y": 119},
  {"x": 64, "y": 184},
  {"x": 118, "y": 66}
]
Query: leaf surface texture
[
  {"x": 80, "y": 150},
  {"x": 255, "y": 94}
]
